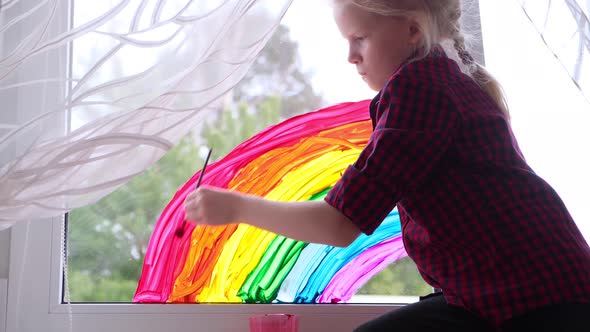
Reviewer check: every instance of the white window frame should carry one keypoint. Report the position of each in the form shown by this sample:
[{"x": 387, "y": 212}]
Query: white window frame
[
  {"x": 35, "y": 284},
  {"x": 35, "y": 296}
]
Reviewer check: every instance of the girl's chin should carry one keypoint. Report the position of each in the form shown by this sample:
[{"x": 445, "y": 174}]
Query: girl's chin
[
  {"x": 374, "y": 87},
  {"x": 371, "y": 84}
]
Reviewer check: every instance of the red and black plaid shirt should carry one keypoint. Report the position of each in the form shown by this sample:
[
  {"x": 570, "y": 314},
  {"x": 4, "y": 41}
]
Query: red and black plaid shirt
[{"x": 476, "y": 219}]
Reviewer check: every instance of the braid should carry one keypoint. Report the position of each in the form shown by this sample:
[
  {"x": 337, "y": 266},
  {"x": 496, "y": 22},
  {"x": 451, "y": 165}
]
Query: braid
[
  {"x": 456, "y": 35},
  {"x": 464, "y": 55},
  {"x": 479, "y": 74}
]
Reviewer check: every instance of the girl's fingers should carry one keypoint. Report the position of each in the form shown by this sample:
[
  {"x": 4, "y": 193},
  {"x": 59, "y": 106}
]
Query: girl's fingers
[{"x": 207, "y": 206}]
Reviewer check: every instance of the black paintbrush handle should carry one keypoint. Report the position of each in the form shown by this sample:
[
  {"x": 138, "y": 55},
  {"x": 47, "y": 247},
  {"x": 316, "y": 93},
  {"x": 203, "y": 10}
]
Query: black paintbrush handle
[
  {"x": 180, "y": 231},
  {"x": 204, "y": 168}
]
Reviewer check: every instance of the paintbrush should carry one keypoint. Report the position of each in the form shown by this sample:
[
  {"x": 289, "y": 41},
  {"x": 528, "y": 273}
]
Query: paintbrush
[{"x": 180, "y": 231}]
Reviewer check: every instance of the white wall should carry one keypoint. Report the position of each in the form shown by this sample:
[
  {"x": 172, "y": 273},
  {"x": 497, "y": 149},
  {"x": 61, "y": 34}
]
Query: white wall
[
  {"x": 4, "y": 263},
  {"x": 4, "y": 252},
  {"x": 3, "y": 304}
]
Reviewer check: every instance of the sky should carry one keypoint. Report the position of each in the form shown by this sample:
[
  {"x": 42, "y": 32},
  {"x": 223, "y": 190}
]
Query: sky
[
  {"x": 324, "y": 51},
  {"x": 549, "y": 115}
]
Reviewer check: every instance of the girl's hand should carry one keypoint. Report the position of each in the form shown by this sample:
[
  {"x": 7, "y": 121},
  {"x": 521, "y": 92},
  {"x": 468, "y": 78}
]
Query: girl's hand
[{"x": 212, "y": 206}]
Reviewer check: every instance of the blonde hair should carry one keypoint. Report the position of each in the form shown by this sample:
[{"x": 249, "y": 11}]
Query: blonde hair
[{"x": 440, "y": 23}]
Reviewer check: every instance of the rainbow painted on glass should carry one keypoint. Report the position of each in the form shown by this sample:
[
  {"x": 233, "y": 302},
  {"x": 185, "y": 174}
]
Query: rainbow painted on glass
[{"x": 299, "y": 159}]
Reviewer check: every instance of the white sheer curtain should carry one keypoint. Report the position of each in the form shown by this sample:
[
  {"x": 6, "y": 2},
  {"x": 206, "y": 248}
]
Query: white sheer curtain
[
  {"x": 565, "y": 29},
  {"x": 73, "y": 128}
]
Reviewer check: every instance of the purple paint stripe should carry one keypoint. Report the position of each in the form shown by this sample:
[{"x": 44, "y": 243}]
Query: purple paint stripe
[{"x": 361, "y": 269}]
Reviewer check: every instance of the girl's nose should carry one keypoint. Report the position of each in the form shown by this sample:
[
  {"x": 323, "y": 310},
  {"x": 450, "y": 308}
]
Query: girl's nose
[{"x": 353, "y": 56}]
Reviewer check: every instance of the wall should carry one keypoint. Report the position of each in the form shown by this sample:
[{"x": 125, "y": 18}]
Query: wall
[
  {"x": 4, "y": 252},
  {"x": 4, "y": 263}
]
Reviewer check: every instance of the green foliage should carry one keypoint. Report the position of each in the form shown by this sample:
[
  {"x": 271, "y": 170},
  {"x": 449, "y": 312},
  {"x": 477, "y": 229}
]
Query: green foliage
[
  {"x": 86, "y": 288},
  {"x": 277, "y": 72},
  {"x": 108, "y": 240},
  {"x": 400, "y": 278},
  {"x": 231, "y": 128}
]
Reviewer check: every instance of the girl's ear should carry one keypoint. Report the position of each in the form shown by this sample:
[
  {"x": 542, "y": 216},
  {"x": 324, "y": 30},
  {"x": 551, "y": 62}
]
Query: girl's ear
[{"x": 415, "y": 33}]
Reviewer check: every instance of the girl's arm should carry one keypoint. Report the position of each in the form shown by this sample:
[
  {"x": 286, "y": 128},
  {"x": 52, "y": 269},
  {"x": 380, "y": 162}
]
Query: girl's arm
[{"x": 310, "y": 221}]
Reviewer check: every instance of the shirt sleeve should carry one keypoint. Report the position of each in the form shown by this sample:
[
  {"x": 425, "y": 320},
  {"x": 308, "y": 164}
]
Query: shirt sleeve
[{"x": 413, "y": 130}]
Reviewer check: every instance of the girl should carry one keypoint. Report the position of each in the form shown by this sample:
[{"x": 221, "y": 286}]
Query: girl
[{"x": 480, "y": 225}]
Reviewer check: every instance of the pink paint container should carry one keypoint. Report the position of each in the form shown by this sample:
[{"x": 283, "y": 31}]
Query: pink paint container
[{"x": 274, "y": 323}]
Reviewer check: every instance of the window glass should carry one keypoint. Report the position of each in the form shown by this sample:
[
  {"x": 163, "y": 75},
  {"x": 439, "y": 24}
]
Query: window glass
[
  {"x": 304, "y": 68},
  {"x": 107, "y": 241}
]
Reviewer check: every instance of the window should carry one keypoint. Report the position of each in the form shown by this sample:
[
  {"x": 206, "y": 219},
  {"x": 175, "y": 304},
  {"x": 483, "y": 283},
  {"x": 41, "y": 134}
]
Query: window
[
  {"x": 548, "y": 112},
  {"x": 108, "y": 240},
  {"x": 36, "y": 275},
  {"x": 36, "y": 259}
]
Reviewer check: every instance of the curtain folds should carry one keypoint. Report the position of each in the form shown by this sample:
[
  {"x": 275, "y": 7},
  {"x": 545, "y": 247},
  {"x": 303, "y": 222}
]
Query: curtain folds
[
  {"x": 80, "y": 119},
  {"x": 564, "y": 26}
]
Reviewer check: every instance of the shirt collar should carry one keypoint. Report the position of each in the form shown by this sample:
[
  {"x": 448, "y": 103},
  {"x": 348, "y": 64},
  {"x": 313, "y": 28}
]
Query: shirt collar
[{"x": 436, "y": 52}]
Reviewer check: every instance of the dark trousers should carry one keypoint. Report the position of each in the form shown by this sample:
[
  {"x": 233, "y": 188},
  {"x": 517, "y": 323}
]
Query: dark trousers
[{"x": 433, "y": 314}]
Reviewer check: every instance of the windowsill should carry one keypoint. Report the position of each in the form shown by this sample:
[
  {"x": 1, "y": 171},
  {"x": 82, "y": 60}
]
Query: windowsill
[
  {"x": 371, "y": 304},
  {"x": 213, "y": 309},
  {"x": 194, "y": 317}
]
